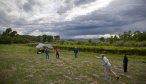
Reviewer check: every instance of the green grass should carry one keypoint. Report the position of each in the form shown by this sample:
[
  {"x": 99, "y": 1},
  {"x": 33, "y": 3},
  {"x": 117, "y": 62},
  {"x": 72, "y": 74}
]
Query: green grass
[{"x": 20, "y": 64}]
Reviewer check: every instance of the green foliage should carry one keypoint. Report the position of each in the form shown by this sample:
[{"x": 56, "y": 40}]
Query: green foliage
[
  {"x": 108, "y": 49},
  {"x": 57, "y": 38},
  {"x": 102, "y": 39},
  {"x": 5, "y": 40},
  {"x": 50, "y": 38},
  {"x": 7, "y": 32},
  {"x": 45, "y": 38},
  {"x": 90, "y": 41},
  {"x": 20, "y": 40},
  {"x": 13, "y": 33},
  {"x": 10, "y": 36},
  {"x": 127, "y": 39}
]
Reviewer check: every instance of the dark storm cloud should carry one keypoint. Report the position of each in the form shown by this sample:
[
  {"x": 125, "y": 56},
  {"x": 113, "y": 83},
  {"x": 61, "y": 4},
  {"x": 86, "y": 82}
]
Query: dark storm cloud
[
  {"x": 73, "y": 3},
  {"x": 27, "y": 7},
  {"x": 120, "y": 16},
  {"x": 117, "y": 17},
  {"x": 86, "y": 28},
  {"x": 81, "y": 2}
]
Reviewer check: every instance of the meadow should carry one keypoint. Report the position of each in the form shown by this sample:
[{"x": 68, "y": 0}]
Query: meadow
[{"x": 19, "y": 64}]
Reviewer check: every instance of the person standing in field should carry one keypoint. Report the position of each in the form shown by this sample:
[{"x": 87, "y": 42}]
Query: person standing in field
[
  {"x": 125, "y": 63},
  {"x": 76, "y": 52},
  {"x": 107, "y": 67},
  {"x": 46, "y": 52},
  {"x": 57, "y": 51}
]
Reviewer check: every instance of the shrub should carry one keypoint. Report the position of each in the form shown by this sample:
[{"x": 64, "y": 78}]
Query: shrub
[
  {"x": 107, "y": 49},
  {"x": 20, "y": 40},
  {"x": 5, "y": 40}
]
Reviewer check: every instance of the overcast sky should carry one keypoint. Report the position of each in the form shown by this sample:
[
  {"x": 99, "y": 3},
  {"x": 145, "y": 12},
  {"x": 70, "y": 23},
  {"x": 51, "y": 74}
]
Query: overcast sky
[{"x": 73, "y": 19}]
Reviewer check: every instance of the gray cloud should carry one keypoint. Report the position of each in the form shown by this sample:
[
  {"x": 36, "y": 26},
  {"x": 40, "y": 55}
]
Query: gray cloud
[
  {"x": 4, "y": 18},
  {"x": 117, "y": 17},
  {"x": 27, "y": 7},
  {"x": 69, "y": 4},
  {"x": 81, "y": 2}
]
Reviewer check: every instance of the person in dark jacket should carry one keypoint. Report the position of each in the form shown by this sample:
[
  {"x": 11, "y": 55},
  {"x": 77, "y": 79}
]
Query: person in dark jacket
[
  {"x": 76, "y": 52},
  {"x": 125, "y": 63}
]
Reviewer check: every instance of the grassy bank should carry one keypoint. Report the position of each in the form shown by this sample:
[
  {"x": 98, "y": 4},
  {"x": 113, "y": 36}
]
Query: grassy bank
[{"x": 20, "y": 64}]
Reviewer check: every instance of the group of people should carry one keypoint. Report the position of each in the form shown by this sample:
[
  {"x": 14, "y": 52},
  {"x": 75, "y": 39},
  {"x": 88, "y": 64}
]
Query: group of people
[
  {"x": 107, "y": 65},
  {"x": 57, "y": 52}
]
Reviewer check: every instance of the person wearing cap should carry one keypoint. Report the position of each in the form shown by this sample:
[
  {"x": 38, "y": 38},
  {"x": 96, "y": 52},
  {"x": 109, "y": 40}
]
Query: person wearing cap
[{"x": 107, "y": 67}]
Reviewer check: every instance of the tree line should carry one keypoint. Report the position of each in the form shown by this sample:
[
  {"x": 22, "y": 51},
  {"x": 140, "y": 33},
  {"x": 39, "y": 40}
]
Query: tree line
[
  {"x": 126, "y": 36},
  {"x": 9, "y": 36},
  {"x": 129, "y": 38}
]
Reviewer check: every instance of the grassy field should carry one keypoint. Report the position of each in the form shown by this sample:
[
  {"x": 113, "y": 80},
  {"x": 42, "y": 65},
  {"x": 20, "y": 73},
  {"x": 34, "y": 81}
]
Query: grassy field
[{"x": 21, "y": 65}]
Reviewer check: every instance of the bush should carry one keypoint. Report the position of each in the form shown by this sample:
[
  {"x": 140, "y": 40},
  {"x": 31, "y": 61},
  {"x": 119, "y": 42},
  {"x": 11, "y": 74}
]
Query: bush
[
  {"x": 129, "y": 43},
  {"x": 20, "y": 40},
  {"x": 141, "y": 44},
  {"x": 107, "y": 49},
  {"x": 5, "y": 40}
]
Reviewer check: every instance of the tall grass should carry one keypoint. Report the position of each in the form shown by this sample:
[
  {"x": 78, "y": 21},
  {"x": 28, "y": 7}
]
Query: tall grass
[{"x": 20, "y": 64}]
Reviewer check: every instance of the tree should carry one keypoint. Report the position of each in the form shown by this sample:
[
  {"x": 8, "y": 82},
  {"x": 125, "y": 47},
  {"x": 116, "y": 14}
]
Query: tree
[
  {"x": 50, "y": 38},
  {"x": 57, "y": 38},
  {"x": 9, "y": 36},
  {"x": 90, "y": 41},
  {"x": 39, "y": 39},
  {"x": 111, "y": 39},
  {"x": 13, "y": 33},
  {"x": 115, "y": 38},
  {"x": 126, "y": 36},
  {"x": 141, "y": 36},
  {"x": 136, "y": 35},
  {"x": 5, "y": 40},
  {"x": 45, "y": 38},
  {"x": 7, "y": 32},
  {"x": 102, "y": 39}
]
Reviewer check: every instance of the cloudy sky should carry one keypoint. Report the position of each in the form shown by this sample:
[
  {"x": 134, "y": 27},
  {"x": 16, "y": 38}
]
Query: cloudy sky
[{"x": 73, "y": 19}]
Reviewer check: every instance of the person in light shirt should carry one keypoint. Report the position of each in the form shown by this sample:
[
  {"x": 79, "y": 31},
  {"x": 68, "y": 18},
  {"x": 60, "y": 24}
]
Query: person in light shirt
[{"x": 107, "y": 67}]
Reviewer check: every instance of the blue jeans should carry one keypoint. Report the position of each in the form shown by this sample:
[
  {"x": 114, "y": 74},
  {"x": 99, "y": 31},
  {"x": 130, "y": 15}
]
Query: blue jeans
[
  {"x": 47, "y": 55},
  {"x": 76, "y": 55}
]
